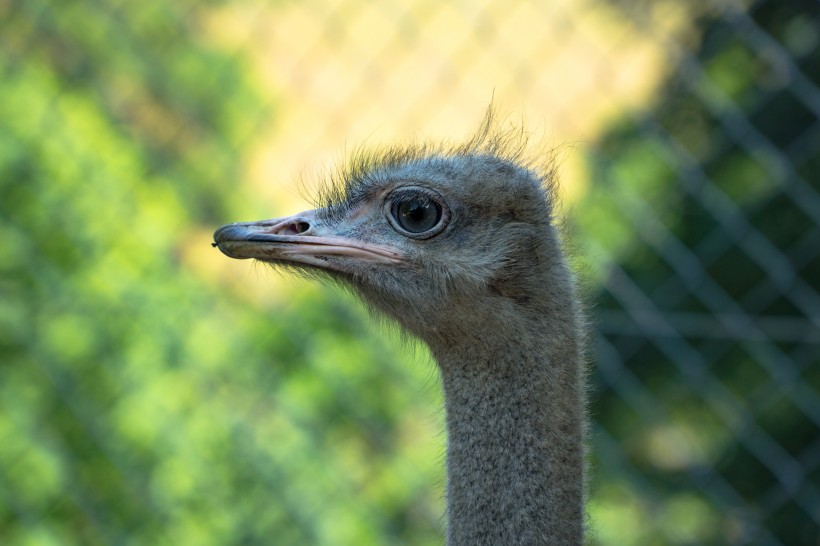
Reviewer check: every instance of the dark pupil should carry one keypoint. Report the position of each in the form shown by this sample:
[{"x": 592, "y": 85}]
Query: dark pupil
[{"x": 417, "y": 214}]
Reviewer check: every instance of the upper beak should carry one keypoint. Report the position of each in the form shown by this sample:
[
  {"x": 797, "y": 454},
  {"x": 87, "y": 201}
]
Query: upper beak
[{"x": 300, "y": 238}]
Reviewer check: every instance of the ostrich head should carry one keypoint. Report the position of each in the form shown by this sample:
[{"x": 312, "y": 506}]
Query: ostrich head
[
  {"x": 433, "y": 237},
  {"x": 459, "y": 247}
]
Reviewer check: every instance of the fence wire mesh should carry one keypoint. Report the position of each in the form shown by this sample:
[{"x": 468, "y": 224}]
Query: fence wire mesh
[
  {"x": 714, "y": 306},
  {"x": 124, "y": 128}
]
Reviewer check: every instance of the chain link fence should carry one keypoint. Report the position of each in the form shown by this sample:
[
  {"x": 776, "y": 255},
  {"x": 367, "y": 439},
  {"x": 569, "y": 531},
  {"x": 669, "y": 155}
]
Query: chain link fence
[
  {"x": 709, "y": 321},
  {"x": 124, "y": 130}
]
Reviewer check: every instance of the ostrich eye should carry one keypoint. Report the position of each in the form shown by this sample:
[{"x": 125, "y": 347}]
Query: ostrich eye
[{"x": 417, "y": 213}]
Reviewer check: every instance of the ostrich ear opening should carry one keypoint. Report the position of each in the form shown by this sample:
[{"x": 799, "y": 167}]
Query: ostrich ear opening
[{"x": 519, "y": 259}]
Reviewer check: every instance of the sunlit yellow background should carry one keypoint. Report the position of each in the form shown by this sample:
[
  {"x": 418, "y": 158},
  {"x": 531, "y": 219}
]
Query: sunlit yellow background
[{"x": 346, "y": 74}]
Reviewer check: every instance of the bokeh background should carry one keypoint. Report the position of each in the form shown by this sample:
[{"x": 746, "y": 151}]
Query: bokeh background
[{"x": 154, "y": 392}]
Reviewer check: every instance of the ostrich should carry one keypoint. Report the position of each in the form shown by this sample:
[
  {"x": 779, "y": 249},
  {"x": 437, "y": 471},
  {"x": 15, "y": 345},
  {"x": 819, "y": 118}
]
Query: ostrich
[{"x": 459, "y": 246}]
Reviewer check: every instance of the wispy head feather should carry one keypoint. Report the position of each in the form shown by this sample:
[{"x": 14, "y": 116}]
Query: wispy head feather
[{"x": 355, "y": 179}]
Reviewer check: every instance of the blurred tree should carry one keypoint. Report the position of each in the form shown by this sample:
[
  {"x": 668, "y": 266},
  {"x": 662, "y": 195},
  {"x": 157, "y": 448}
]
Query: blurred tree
[
  {"x": 707, "y": 207},
  {"x": 140, "y": 404}
]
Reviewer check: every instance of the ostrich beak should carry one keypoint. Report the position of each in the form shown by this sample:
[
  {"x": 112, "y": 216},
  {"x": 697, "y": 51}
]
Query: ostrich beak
[{"x": 301, "y": 239}]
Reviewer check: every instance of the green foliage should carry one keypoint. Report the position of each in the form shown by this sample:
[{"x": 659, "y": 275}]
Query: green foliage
[{"x": 139, "y": 402}]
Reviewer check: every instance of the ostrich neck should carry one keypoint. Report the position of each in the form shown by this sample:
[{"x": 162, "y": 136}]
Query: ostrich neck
[{"x": 515, "y": 426}]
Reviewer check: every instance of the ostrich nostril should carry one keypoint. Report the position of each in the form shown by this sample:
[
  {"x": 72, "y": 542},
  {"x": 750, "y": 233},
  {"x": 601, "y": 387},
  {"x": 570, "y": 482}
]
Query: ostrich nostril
[{"x": 296, "y": 227}]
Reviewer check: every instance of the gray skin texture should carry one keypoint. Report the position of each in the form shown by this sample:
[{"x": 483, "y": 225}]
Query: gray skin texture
[{"x": 492, "y": 296}]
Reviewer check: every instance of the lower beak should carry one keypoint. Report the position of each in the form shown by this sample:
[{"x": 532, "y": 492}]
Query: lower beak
[{"x": 299, "y": 239}]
